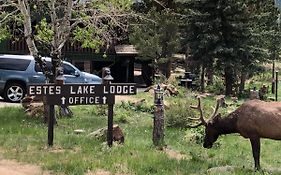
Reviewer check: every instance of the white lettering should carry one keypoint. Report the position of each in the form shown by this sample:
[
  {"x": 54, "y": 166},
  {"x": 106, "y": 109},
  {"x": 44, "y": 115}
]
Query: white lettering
[
  {"x": 131, "y": 91},
  {"x": 119, "y": 89},
  {"x": 71, "y": 90},
  {"x": 58, "y": 90},
  {"x": 70, "y": 100},
  {"x": 82, "y": 99},
  {"x": 51, "y": 90},
  {"x": 85, "y": 89},
  {"x": 91, "y": 100},
  {"x": 97, "y": 100},
  {"x": 112, "y": 89},
  {"x": 92, "y": 89},
  {"x": 38, "y": 90},
  {"x": 79, "y": 91},
  {"x": 31, "y": 90},
  {"x": 45, "y": 89},
  {"x": 104, "y": 90},
  {"x": 76, "y": 99}
]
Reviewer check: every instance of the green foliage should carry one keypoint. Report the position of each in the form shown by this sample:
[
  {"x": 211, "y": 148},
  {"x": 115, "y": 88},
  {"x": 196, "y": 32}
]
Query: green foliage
[
  {"x": 196, "y": 135},
  {"x": 101, "y": 110},
  {"x": 217, "y": 87},
  {"x": 142, "y": 107},
  {"x": 223, "y": 35},
  {"x": 156, "y": 37},
  {"x": 89, "y": 37},
  {"x": 177, "y": 114},
  {"x": 44, "y": 31},
  {"x": 4, "y": 33}
]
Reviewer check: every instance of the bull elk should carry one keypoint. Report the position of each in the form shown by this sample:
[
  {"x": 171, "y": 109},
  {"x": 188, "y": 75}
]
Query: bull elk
[{"x": 254, "y": 119}]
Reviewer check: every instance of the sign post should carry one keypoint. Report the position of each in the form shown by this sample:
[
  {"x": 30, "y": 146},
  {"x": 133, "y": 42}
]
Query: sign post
[
  {"x": 82, "y": 94},
  {"x": 51, "y": 122},
  {"x": 106, "y": 79}
]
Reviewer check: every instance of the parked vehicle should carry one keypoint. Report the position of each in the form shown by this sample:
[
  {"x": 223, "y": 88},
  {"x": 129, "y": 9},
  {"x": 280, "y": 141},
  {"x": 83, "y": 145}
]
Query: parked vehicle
[{"x": 18, "y": 71}]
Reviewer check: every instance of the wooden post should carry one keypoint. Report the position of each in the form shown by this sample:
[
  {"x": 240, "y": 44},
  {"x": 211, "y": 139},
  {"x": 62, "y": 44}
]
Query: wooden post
[
  {"x": 110, "y": 126},
  {"x": 273, "y": 81},
  {"x": 106, "y": 79},
  {"x": 52, "y": 114},
  {"x": 158, "y": 129},
  {"x": 276, "y": 86},
  {"x": 51, "y": 123}
]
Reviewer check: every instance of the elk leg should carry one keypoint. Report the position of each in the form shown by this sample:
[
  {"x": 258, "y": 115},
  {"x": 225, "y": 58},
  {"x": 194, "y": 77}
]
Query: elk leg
[{"x": 255, "y": 142}]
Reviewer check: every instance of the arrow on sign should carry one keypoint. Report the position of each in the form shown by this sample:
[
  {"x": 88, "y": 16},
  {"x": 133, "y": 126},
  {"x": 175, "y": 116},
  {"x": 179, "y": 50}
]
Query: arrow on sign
[
  {"x": 62, "y": 100},
  {"x": 104, "y": 100}
]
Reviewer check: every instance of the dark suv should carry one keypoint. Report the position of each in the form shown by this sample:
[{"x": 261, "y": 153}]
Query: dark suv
[{"x": 18, "y": 71}]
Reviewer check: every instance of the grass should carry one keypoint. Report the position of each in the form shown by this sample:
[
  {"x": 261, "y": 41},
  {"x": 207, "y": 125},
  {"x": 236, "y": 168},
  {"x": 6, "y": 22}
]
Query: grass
[{"x": 24, "y": 139}]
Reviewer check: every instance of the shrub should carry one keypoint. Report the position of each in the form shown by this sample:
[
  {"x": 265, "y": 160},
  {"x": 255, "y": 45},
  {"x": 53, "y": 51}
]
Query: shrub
[
  {"x": 217, "y": 87},
  {"x": 178, "y": 113},
  {"x": 141, "y": 107},
  {"x": 122, "y": 115}
]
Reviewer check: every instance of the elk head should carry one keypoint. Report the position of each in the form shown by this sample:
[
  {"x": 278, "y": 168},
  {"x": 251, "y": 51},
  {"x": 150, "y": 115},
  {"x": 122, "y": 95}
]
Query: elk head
[{"x": 211, "y": 126}]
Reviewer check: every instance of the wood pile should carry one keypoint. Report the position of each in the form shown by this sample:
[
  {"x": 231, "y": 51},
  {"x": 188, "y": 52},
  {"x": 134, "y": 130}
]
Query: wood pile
[
  {"x": 168, "y": 89},
  {"x": 33, "y": 106}
]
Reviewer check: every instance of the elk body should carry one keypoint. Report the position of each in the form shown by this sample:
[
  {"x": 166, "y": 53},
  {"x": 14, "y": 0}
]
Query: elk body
[{"x": 254, "y": 119}]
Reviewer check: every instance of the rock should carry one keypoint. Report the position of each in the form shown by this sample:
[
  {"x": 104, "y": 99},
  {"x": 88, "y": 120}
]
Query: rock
[
  {"x": 220, "y": 170},
  {"x": 79, "y": 131},
  {"x": 101, "y": 134},
  {"x": 138, "y": 102}
]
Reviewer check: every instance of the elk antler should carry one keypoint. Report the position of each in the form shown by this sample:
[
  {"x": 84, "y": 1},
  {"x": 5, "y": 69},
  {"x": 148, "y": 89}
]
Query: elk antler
[
  {"x": 219, "y": 101},
  {"x": 201, "y": 118}
]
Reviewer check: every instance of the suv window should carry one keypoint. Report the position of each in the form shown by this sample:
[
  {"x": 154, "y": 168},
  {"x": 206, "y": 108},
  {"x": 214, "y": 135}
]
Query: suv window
[
  {"x": 67, "y": 70},
  {"x": 38, "y": 69},
  {"x": 14, "y": 64}
]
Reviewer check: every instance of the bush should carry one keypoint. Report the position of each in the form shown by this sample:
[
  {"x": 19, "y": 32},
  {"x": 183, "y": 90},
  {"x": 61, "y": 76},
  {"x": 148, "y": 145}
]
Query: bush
[
  {"x": 142, "y": 107},
  {"x": 122, "y": 116},
  {"x": 178, "y": 113},
  {"x": 217, "y": 87}
]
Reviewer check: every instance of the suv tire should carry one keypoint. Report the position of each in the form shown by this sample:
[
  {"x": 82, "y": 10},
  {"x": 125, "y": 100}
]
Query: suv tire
[{"x": 14, "y": 92}]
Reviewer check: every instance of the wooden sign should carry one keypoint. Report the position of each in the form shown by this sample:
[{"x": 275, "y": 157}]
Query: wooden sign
[{"x": 81, "y": 94}]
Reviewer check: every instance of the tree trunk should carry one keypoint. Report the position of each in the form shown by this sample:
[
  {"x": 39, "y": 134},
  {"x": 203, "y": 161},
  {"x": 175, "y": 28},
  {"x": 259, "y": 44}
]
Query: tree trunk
[
  {"x": 242, "y": 82},
  {"x": 229, "y": 80},
  {"x": 210, "y": 75},
  {"x": 166, "y": 68},
  {"x": 202, "y": 79},
  {"x": 147, "y": 73}
]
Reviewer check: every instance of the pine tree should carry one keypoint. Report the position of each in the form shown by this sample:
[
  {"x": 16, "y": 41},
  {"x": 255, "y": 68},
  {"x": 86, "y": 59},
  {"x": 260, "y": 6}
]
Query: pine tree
[
  {"x": 201, "y": 33},
  {"x": 220, "y": 34},
  {"x": 156, "y": 36}
]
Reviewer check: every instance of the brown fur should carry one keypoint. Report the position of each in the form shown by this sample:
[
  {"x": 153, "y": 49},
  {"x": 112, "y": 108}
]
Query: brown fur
[
  {"x": 258, "y": 118},
  {"x": 254, "y": 119}
]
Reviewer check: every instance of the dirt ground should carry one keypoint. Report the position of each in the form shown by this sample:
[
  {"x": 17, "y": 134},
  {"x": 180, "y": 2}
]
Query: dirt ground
[{"x": 11, "y": 167}]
